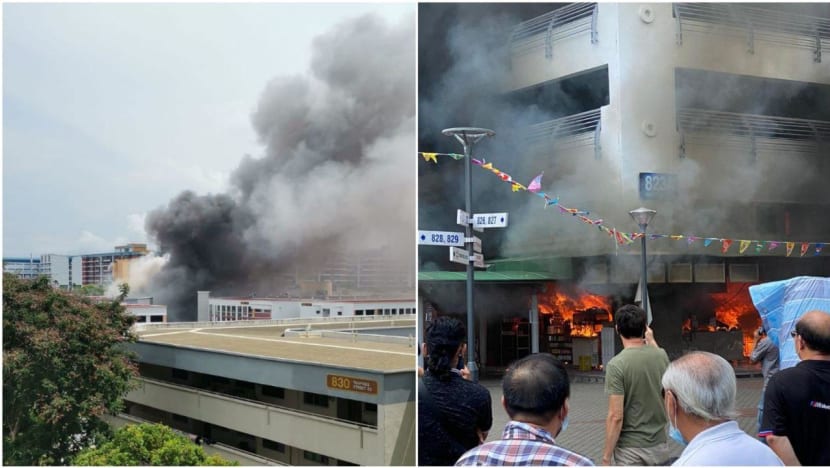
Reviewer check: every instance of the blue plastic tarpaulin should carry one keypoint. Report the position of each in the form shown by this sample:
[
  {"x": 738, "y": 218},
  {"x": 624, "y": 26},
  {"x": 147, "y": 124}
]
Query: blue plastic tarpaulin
[{"x": 782, "y": 303}]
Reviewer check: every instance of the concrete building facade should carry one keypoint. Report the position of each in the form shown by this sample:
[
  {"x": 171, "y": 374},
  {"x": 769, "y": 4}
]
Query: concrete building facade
[{"x": 300, "y": 399}]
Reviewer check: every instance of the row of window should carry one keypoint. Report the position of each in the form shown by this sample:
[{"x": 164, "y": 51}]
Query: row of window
[{"x": 393, "y": 311}]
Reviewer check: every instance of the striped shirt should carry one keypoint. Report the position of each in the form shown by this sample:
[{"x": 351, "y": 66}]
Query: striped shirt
[{"x": 522, "y": 444}]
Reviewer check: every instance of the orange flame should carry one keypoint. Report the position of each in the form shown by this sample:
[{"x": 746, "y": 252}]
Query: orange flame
[
  {"x": 735, "y": 309},
  {"x": 572, "y": 306}
]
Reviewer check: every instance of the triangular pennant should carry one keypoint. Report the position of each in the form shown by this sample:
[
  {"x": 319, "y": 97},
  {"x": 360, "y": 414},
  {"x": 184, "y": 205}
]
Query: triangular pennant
[
  {"x": 505, "y": 177},
  {"x": 488, "y": 166},
  {"x": 535, "y": 184},
  {"x": 758, "y": 246},
  {"x": 691, "y": 239},
  {"x": 819, "y": 246},
  {"x": 744, "y": 245},
  {"x": 477, "y": 162},
  {"x": 725, "y": 243},
  {"x": 773, "y": 245},
  {"x": 790, "y": 246},
  {"x": 707, "y": 241},
  {"x": 676, "y": 237},
  {"x": 430, "y": 157},
  {"x": 517, "y": 186},
  {"x": 455, "y": 156},
  {"x": 804, "y": 247}
]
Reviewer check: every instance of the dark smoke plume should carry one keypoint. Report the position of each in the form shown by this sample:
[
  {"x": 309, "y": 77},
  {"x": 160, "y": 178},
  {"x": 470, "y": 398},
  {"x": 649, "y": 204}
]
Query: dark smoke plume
[{"x": 335, "y": 176}]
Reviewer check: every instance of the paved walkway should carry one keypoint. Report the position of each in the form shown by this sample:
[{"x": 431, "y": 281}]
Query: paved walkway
[{"x": 589, "y": 407}]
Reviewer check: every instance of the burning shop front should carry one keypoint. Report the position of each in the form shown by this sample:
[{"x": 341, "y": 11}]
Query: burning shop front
[{"x": 699, "y": 303}]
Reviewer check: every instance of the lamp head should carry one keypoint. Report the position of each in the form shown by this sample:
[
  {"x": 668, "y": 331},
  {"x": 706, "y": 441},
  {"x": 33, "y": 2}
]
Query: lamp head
[{"x": 642, "y": 216}]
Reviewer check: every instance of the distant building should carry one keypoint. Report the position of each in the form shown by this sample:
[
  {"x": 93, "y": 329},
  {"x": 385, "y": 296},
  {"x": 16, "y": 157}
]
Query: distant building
[
  {"x": 27, "y": 268},
  {"x": 221, "y": 309},
  {"x": 295, "y": 392},
  {"x": 148, "y": 313},
  {"x": 98, "y": 268},
  {"x": 67, "y": 271}
]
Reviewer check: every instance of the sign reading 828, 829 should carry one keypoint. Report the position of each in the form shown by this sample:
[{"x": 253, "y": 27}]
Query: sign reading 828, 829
[{"x": 654, "y": 185}]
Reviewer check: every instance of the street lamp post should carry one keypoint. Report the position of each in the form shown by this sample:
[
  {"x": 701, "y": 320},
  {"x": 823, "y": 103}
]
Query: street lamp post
[
  {"x": 643, "y": 216},
  {"x": 468, "y": 137}
]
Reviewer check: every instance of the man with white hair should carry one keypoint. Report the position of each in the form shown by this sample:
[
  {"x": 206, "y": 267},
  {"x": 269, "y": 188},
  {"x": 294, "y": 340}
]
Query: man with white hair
[{"x": 699, "y": 391}]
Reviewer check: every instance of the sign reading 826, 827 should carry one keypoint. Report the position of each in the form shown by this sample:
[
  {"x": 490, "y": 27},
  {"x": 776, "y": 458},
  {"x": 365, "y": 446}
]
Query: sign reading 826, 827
[{"x": 654, "y": 185}]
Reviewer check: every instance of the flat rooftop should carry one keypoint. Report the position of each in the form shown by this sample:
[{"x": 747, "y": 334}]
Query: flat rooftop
[{"x": 266, "y": 341}]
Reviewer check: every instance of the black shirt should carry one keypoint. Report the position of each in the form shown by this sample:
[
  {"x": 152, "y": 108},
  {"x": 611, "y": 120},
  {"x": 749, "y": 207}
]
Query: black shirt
[
  {"x": 797, "y": 405},
  {"x": 447, "y": 423}
]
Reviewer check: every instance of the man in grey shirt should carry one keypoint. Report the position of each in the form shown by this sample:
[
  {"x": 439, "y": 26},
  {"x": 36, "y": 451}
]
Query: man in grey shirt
[{"x": 765, "y": 352}]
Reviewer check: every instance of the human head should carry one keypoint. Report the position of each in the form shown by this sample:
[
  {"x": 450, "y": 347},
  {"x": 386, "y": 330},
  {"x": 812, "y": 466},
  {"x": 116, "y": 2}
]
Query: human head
[
  {"x": 813, "y": 334},
  {"x": 444, "y": 339},
  {"x": 630, "y": 321},
  {"x": 535, "y": 389},
  {"x": 702, "y": 385}
]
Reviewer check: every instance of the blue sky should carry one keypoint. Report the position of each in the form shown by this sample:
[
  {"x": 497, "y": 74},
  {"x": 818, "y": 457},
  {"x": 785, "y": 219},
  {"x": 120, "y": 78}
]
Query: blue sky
[{"x": 110, "y": 110}]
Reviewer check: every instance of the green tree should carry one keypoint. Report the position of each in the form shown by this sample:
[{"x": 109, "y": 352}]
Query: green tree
[
  {"x": 148, "y": 444},
  {"x": 64, "y": 366},
  {"x": 90, "y": 290}
]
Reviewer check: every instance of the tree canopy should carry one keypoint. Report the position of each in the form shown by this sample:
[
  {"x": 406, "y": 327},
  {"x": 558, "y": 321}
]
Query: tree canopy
[
  {"x": 149, "y": 445},
  {"x": 64, "y": 366}
]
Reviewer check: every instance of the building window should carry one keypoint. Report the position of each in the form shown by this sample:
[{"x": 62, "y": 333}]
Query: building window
[
  {"x": 315, "y": 457},
  {"x": 141, "y": 319},
  {"x": 339, "y": 312},
  {"x": 271, "y": 445},
  {"x": 275, "y": 392},
  {"x": 358, "y": 312},
  {"x": 370, "y": 407},
  {"x": 157, "y": 318},
  {"x": 316, "y": 399}
]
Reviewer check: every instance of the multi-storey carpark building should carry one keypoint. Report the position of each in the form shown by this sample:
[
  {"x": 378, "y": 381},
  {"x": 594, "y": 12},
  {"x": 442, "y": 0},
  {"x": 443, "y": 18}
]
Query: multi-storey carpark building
[
  {"x": 717, "y": 116},
  {"x": 296, "y": 392}
]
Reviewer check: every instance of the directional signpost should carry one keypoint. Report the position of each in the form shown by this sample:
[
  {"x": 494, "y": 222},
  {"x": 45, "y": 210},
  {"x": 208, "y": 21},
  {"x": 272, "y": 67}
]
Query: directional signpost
[
  {"x": 490, "y": 220},
  {"x": 441, "y": 238}
]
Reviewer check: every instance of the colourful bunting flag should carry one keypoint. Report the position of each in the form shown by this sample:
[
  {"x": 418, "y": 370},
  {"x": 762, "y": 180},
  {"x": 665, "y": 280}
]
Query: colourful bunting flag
[
  {"x": 758, "y": 246},
  {"x": 707, "y": 241},
  {"x": 477, "y": 162},
  {"x": 517, "y": 186},
  {"x": 804, "y": 247},
  {"x": 725, "y": 243},
  {"x": 505, "y": 177},
  {"x": 488, "y": 166},
  {"x": 618, "y": 235},
  {"x": 790, "y": 246},
  {"x": 773, "y": 245},
  {"x": 819, "y": 246},
  {"x": 555, "y": 201},
  {"x": 430, "y": 157},
  {"x": 691, "y": 239},
  {"x": 743, "y": 246},
  {"x": 455, "y": 156},
  {"x": 676, "y": 237},
  {"x": 535, "y": 184}
]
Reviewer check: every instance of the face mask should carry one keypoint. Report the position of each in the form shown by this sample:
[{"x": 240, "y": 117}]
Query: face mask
[
  {"x": 564, "y": 426},
  {"x": 674, "y": 432}
]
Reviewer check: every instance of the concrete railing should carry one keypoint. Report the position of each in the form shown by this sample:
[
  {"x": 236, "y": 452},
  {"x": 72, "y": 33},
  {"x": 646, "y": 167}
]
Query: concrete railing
[{"x": 344, "y": 440}]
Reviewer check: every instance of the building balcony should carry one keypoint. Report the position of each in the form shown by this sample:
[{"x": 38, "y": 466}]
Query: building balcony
[{"x": 344, "y": 440}]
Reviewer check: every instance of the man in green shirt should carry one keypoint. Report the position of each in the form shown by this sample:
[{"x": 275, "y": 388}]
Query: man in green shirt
[{"x": 635, "y": 430}]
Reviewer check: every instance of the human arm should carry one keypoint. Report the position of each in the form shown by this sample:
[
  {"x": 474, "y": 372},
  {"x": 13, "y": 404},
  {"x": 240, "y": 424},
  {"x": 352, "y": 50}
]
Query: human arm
[
  {"x": 759, "y": 347},
  {"x": 784, "y": 449},
  {"x": 650, "y": 341},
  {"x": 613, "y": 426}
]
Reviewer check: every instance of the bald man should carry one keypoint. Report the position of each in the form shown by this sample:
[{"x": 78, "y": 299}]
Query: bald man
[{"x": 796, "y": 420}]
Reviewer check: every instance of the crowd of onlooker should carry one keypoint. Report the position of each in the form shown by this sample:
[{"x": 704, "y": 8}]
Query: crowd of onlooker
[{"x": 650, "y": 399}]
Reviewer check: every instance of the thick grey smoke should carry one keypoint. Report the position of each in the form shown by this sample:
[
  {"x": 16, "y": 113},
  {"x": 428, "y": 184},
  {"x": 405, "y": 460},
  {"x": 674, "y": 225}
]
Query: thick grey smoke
[
  {"x": 335, "y": 176},
  {"x": 465, "y": 80}
]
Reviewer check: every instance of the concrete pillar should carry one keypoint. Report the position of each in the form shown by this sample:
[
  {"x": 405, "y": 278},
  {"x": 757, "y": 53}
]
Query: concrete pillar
[{"x": 202, "y": 306}]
